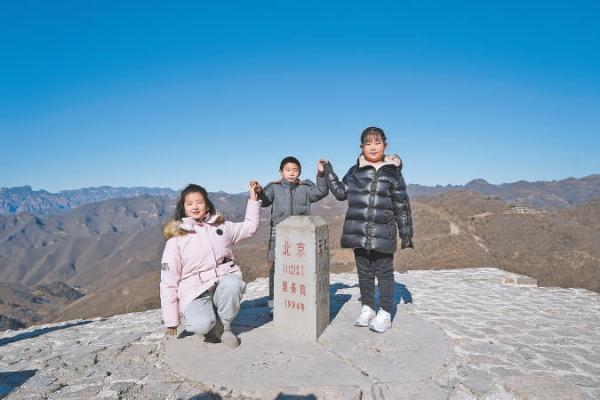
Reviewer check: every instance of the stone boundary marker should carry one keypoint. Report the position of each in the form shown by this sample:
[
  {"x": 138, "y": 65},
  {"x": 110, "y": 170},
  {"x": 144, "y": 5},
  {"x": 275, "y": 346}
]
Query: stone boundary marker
[{"x": 302, "y": 277}]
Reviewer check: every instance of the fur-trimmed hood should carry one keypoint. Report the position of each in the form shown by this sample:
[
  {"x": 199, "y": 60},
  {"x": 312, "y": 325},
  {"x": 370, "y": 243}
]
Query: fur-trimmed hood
[
  {"x": 186, "y": 225},
  {"x": 388, "y": 159}
]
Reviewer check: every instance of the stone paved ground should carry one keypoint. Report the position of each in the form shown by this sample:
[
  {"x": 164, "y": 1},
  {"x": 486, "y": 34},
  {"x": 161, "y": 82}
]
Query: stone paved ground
[{"x": 505, "y": 341}]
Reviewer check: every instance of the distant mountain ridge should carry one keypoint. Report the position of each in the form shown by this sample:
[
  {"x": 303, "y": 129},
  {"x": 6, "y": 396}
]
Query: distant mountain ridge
[
  {"x": 110, "y": 250},
  {"x": 41, "y": 202},
  {"x": 541, "y": 194}
]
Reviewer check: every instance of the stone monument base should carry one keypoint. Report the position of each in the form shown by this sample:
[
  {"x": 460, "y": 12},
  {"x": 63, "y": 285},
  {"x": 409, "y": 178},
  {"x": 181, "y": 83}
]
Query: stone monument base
[{"x": 347, "y": 362}]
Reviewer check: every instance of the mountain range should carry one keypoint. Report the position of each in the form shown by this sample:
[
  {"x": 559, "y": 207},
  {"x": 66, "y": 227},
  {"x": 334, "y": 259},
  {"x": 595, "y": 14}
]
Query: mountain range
[
  {"x": 542, "y": 194},
  {"x": 109, "y": 251},
  {"x": 40, "y": 202}
]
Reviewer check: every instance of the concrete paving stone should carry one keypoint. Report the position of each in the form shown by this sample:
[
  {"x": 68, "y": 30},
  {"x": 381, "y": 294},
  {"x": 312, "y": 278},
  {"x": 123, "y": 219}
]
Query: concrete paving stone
[
  {"x": 413, "y": 348},
  {"x": 126, "y": 390},
  {"x": 425, "y": 389},
  {"x": 477, "y": 359},
  {"x": 529, "y": 341},
  {"x": 595, "y": 394},
  {"x": 589, "y": 369},
  {"x": 42, "y": 382},
  {"x": 555, "y": 356},
  {"x": 591, "y": 357},
  {"x": 269, "y": 360},
  {"x": 540, "y": 387},
  {"x": 472, "y": 334},
  {"x": 135, "y": 373},
  {"x": 580, "y": 380},
  {"x": 461, "y": 392},
  {"x": 76, "y": 394},
  {"x": 476, "y": 380},
  {"x": 490, "y": 331},
  {"x": 487, "y": 348},
  {"x": 320, "y": 392},
  {"x": 560, "y": 366},
  {"x": 137, "y": 351},
  {"x": 505, "y": 372}
]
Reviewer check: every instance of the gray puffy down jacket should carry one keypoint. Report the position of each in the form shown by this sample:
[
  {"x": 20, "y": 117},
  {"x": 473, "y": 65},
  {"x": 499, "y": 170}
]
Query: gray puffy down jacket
[{"x": 378, "y": 205}]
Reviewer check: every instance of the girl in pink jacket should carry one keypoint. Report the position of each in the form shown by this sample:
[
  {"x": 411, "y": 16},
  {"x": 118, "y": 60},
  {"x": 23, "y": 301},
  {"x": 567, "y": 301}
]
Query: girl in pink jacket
[{"x": 198, "y": 274}]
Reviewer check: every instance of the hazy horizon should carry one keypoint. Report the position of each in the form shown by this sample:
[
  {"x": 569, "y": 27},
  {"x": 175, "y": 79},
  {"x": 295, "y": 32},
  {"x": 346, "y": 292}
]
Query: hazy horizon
[{"x": 264, "y": 183}]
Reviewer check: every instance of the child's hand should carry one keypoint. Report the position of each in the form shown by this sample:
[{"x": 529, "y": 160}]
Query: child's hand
[
  {"x": 172, "y": 331},
  {"x": 321, "y": 165},
  {"x": 254, "y": 188},
  {"x": 258, "y": 188}
]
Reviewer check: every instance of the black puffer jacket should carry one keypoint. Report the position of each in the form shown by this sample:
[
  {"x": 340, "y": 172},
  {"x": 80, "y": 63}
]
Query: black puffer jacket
[{"x": 377, "y": 205}]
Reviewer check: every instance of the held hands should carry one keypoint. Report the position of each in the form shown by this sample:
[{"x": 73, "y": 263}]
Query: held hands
[
  {"x": 323, "y": 166},
  {"x": 172, "y": 331},
  {"x": 255, "y": 190}
]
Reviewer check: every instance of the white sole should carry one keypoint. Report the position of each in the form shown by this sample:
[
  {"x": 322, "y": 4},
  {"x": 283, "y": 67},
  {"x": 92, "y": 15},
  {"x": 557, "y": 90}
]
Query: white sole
[{"x": 375, "y": 330}]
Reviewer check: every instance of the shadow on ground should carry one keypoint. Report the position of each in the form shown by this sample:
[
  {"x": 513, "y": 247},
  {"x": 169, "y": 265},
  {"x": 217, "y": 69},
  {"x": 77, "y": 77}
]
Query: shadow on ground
[
  {"x": 253, "y": 314},
  {"x": 9, "y": 381},
  {"x": 401, "y": 294},
  {"x": 337, "y": 300},
  {"x": 38, "y": 332}
]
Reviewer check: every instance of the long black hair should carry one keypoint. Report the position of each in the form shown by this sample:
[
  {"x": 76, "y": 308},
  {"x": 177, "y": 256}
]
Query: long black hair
[{"x": 192, "y": 188}]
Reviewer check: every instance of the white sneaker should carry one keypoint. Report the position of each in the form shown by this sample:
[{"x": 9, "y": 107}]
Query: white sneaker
[
  {"x": 366, "y": 315},
  {"x": 382, "y": 322}
]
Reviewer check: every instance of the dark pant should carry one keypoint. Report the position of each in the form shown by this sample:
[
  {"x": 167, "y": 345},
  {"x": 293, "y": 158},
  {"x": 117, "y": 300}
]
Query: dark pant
[
  {"x": 371, "y": 264},
  {"x": 271, "y": 280}
]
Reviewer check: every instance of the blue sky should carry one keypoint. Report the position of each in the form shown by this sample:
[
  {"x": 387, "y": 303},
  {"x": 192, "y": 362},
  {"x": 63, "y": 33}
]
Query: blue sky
[{"x": 143, "y": 94}]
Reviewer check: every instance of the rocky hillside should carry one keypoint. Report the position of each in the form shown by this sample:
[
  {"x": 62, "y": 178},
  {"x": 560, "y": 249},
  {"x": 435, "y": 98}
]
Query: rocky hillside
[
  {"x": 21, "y": 306},
  {"x": 111, "y": 250}
]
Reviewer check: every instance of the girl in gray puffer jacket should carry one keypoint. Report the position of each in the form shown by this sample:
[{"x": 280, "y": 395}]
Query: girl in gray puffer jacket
[
  {"x": 378, "y": 205},
  {"x": 289, "y": 196}
]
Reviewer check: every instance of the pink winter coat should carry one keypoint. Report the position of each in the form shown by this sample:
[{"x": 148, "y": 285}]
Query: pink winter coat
[{"x": 192, "y": 263}]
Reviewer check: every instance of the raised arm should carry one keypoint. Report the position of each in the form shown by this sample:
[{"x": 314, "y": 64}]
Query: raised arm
[
  {"x": 338, "y": 188},
  {"x": 243, "y": 230},
  {"x": 170, "y": 275},
  {"x": 320, "y": 190},
  {"x": 402, "y": 212}
]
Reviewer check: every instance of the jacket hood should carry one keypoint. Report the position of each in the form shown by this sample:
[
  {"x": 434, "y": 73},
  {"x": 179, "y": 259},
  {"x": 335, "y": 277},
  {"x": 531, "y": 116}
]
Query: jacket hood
[
  {"x": 388, "y": 159},
  {"x": 186, "y": 225}
]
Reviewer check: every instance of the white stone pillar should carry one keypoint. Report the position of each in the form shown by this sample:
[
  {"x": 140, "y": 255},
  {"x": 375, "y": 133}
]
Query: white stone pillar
[{"x": 301, "y": 303}]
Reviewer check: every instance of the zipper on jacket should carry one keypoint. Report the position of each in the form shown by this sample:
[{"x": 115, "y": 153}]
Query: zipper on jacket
[
  {"x": 370, "y": 228},
  {"x": 292, "y": 190}
]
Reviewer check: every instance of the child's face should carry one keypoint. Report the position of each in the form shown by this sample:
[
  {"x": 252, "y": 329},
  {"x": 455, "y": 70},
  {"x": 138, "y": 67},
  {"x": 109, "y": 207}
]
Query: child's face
[
  {"x": 195, "y": 205},
  {"x": 290, "y": 172},
  {"x": 374, "y": 148}
]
